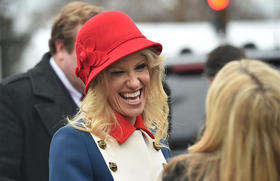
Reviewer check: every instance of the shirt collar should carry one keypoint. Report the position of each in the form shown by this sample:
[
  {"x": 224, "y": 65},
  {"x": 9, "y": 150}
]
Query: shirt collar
[
  {"x": 122, "y": 132},
  {"x": 75, "y": 94}
]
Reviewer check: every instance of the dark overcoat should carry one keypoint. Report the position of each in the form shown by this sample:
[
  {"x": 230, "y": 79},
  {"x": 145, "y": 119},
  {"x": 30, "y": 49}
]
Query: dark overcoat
[{"x": 33, "y": 106}]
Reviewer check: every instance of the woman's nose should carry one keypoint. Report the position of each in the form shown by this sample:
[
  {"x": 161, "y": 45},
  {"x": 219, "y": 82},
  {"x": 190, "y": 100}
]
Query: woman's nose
[{"x": 133, "y": 81}]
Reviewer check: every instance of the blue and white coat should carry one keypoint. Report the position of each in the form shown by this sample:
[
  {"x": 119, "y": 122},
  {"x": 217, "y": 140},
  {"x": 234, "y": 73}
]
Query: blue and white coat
[{"x": 80, "y": 156}]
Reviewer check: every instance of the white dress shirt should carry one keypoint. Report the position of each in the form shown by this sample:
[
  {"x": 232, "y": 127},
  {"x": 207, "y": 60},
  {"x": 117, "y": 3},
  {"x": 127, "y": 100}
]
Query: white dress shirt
[{"x": 75, "y": 94}]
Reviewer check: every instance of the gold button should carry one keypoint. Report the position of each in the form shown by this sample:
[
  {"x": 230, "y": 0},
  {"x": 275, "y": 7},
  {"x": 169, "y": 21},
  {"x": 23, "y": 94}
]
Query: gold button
[
  {"x": 156, "y": 147},
  {"x": 102, "y": 144},
  {"x": 113, "y": 166}
]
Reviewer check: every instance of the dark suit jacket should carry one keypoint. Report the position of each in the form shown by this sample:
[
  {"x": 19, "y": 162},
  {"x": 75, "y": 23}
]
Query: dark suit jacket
[{"x": 32, "y": 107}]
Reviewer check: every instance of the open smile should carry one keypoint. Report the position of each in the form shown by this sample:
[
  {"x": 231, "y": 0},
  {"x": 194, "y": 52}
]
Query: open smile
[{"x": 132, "y": 97}]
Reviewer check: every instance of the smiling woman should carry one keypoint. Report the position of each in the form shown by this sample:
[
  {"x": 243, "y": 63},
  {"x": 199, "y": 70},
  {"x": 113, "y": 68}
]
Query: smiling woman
[
  {"x": 129, "y": 80},
  {"x": 112, "y": 136}
]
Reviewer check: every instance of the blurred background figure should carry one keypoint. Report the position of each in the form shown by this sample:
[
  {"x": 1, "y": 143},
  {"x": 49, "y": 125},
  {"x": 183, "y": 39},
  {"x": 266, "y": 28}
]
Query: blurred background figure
[
  {"x": 33, "y": 104},
  {"x": 241, "y": 137},
  {"x": 220, "y": 56}
]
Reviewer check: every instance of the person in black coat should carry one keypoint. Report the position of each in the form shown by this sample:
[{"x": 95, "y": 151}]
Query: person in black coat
[{"x": 33, "y": 104}]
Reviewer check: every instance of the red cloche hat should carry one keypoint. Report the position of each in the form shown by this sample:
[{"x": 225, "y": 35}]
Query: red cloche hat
[{"x": 103, "y": 40}]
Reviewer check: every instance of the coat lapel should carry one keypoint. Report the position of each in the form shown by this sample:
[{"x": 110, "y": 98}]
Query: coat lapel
[{"x": 54, "y": 101}]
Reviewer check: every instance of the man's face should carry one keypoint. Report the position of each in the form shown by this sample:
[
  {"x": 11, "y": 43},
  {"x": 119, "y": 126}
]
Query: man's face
[
  {"x": 68, "y": 65},
  {"x": 69, "y": 71}
]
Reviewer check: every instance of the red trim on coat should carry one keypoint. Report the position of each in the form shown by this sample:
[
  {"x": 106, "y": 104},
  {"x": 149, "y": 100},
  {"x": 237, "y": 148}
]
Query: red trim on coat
[{"x": 122, "y": 132}]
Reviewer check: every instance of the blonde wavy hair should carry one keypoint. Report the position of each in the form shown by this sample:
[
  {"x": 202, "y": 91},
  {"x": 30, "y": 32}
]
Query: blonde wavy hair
[
  {"x": 98, "y": 116},
  {"x": 242, "y": 131}
]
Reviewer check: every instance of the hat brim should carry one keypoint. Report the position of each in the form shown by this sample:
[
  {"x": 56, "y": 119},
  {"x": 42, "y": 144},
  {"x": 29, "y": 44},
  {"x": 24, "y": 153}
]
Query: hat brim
[{"x": 127, "y": 48}]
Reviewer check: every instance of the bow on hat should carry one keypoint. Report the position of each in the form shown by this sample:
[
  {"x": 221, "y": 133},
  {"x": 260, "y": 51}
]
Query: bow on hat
[{"x": 88, "y": 58}]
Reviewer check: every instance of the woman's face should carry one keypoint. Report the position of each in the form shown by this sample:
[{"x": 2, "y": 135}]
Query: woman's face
[{"x": 128, "y": 82}]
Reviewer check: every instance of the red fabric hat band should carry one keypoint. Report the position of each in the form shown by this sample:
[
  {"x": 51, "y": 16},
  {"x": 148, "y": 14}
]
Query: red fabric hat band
[{"x": 103, "y": 40}]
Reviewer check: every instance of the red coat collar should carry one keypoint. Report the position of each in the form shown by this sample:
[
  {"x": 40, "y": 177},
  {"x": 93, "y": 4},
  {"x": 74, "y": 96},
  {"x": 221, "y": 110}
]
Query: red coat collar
[{"x": 122, "y": 132}]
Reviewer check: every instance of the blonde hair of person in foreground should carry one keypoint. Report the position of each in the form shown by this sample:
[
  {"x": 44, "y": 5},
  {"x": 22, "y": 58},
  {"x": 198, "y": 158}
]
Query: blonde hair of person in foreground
[{"x": 242, "y": 129}]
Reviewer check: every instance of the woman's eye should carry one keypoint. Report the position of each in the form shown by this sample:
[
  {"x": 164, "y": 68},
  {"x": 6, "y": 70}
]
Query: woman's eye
[
  {"x": 119, "y": 72},
  {"x": 141, "y": 66}
]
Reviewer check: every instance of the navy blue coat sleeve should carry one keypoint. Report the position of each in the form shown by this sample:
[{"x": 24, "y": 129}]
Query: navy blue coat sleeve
[{"x": 69, "y": 157}]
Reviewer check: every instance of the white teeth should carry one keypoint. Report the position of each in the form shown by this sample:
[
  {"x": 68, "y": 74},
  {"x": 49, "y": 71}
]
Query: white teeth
[
  {"x": 130, "y": 95},
  {"x": 133, "y": 100}
]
